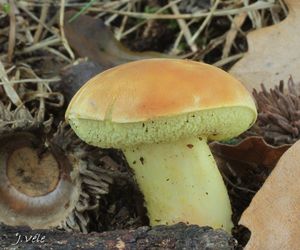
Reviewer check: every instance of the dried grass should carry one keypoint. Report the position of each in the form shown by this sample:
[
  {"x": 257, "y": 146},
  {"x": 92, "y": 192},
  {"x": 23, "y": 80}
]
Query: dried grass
[
  {"x": 40, "y": 35},
  {"x": 196, "y": 26}
]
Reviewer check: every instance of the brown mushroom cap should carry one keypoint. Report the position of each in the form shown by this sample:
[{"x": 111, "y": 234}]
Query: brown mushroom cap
[{"x": 159, "y": 100}]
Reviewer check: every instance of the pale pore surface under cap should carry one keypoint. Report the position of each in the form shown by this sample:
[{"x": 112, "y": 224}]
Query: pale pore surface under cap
[{"x": 215, "y": 124}]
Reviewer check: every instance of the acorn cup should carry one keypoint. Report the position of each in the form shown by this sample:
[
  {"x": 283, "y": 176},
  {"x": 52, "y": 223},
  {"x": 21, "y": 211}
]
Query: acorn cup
[{"x": 47, "y": 177}]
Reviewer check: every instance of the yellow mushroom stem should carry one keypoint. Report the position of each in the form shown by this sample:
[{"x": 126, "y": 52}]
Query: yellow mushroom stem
[{"x": 181, "y": 183}]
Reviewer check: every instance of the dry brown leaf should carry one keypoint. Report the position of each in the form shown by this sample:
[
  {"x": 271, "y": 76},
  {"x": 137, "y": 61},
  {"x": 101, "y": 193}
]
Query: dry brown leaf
[
  {"x": 273, "y": 215},
  {"x": 252, "y": 151},
  {"x": 274, "y": 52},
  {"x": 90, "y": 38}
]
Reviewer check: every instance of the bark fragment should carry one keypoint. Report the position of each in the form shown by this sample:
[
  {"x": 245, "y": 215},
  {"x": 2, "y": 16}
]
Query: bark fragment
[{"x": 179, "y": 236}]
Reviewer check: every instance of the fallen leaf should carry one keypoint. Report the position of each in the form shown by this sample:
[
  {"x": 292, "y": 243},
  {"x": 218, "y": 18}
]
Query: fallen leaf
[
  {"x": 91, "y": 38},
  {"x": 252, "y": 150},
  {"x": 273, "y": 215},
  {"x": 274, "y": 52}
]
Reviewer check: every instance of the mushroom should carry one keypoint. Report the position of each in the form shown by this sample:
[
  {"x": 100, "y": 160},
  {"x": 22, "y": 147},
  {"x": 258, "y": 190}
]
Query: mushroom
[{"x": 161, "y": 114}]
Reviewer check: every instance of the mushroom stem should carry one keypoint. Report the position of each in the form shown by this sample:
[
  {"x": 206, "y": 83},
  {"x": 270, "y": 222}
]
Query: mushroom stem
[{"x": 181, "y": 183}]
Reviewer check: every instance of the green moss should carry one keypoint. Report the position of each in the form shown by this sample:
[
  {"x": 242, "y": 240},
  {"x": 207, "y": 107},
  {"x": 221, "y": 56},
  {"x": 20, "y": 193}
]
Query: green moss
[{"x": 216, "y": 124}]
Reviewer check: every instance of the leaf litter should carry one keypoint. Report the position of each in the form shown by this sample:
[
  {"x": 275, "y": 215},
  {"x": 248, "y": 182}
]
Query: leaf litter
[
  {"x": 274, "y": 52},
  {"x": 91, "y": 38},
  {"x": 273, "y": 215}
]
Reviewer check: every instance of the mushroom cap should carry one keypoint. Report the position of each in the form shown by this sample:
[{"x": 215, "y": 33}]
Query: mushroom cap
[{"x": 160, "y": 100}]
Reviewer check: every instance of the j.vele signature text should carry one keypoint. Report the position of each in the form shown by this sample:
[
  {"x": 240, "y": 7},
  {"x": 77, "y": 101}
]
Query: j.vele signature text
[{"x": 34, "y": 238}]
